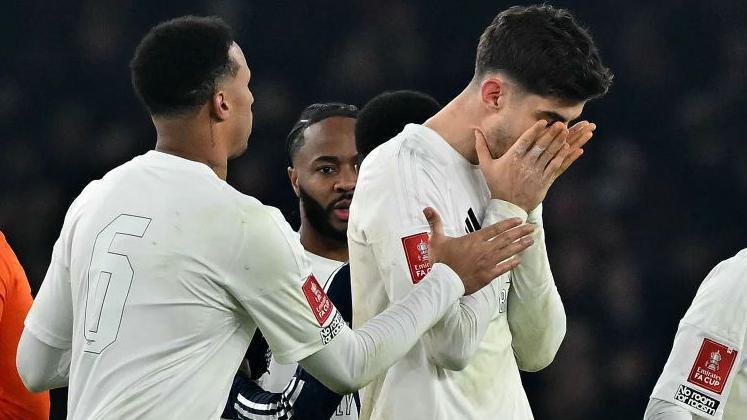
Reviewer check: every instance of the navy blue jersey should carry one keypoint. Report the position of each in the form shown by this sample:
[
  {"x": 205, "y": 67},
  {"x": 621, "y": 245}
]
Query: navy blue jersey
[{"x": 304, "y": 398}]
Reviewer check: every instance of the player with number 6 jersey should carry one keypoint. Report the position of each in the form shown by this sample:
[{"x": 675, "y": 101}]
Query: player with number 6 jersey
[{"x": 162, "y": 271}]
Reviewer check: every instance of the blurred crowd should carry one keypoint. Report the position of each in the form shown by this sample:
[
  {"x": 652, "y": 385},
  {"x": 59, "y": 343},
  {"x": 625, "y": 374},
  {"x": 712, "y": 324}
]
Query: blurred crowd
[{"x": 656, "y": 201}]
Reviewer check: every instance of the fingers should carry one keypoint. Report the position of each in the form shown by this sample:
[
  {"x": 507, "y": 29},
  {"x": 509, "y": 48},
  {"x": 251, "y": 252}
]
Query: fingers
[
  {"x": 580, "y": 139},
  {"x": 487, "y": 233},
  {"x": 552, "y": 170},
  {"x": 434, "y": 221},
  {"x": 572, "y": 157},
  {"x": 544, "y": 140},
  {"x": 578, "y": 128},
  {"x": 525, "y": 141},
  {"x": 512, "y": 235},
  {"x": 505, "y": 266},
  {"x": 552, "y": 150},
  {"x": 512, "y": 250},
  {"x": 481, "y": 144}
]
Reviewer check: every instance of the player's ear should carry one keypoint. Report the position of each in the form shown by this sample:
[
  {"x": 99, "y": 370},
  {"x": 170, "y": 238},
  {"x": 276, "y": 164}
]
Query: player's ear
[
  {"x": 219, "y": 107},
  {"x": 493, "y": 92},
  {"x": 293, "y": 176}
]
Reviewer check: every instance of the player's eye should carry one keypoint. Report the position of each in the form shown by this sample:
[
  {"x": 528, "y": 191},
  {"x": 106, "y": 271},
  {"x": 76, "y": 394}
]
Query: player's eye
[{"x": 327, "y": 170}]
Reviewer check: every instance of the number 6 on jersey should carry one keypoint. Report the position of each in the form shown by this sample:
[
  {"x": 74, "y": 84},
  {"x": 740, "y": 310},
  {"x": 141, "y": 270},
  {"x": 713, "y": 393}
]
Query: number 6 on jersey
[{"x": 109, "y": 278}]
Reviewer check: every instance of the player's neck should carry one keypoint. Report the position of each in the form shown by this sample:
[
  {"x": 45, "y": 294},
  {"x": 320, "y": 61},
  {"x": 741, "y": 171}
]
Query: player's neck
[
  {"x": 455, "y": 123},
  {"x": 191, "y": 138},
  {"x": 321, "y": 245}
]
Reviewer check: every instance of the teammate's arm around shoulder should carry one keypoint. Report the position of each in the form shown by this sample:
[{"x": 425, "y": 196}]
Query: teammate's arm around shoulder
[
  {"x": 355, "y": 357},
  {"x": 388, "y": 211}
]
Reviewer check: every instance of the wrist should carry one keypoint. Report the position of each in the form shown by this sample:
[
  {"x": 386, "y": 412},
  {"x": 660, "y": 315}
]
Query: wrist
[
  {"x": 498, "y": 210},
  {"x": 446, "y": 273}
]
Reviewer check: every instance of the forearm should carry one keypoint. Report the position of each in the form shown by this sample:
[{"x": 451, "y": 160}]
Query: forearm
[
  {"x": 664, "y": 410},
  {"x": 41, "y": 366},
  {"x": 456, "y": 337},
  {"x": 355, "y": 357},
  {"x": 536, "y": 315}
]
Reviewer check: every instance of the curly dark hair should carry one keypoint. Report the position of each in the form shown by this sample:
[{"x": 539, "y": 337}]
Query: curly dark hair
[
  {"x": 179, "y": 62},
  {"x": 545, "y": 50}
]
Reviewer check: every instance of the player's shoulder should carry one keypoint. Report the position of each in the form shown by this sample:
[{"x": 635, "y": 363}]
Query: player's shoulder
[
  {"x": 247, "y": 207},
  {"x": 412, "y": 156},
  {"x": 256, "y": 218},
  {"x": 415, "y": 143},
  {"x": 730, "y": 274},
  {"x": 723, "y": 290}
]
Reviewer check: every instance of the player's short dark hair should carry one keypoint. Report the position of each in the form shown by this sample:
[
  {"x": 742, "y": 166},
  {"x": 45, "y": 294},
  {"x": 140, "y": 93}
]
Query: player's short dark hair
[
  {"x": 545, "y": 50},
  {"x": 311, "y": 115},
  {"x": 178, "y": 63},
  {"x": 386, "y": 114}
]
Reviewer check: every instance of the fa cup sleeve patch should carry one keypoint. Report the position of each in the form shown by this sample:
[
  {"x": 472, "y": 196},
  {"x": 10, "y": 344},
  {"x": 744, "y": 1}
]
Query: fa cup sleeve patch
[
  {"x": 416, "y": 252},
  {"x": 712, "y": 366},
  {"x": 320, "y": 304}
]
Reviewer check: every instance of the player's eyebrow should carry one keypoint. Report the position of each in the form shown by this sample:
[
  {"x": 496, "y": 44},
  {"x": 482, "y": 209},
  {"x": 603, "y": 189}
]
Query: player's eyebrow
[
  {"x": 551, "y": 117},
  {"x": 330, "y": 159}
]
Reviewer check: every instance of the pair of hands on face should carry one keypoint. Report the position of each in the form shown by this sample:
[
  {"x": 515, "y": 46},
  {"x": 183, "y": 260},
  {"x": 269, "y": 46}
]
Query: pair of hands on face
[{"x": 522, "y": 176}]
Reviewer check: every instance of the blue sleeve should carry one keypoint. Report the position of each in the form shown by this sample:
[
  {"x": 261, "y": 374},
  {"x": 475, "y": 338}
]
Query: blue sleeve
[
  {"x": 248, "y": 400},
  {"x": 305, "y": 398}
]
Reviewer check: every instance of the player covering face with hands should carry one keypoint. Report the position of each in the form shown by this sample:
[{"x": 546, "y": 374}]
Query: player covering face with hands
[
  {"x": 162, "y": 271},
  {"x": 493, "y": 152}
]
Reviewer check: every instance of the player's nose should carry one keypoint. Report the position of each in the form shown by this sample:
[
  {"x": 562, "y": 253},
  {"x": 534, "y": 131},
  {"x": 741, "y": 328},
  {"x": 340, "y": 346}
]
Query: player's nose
[
  {"x": 347, "y": 179},
  {"x": 345, "y": 185}
]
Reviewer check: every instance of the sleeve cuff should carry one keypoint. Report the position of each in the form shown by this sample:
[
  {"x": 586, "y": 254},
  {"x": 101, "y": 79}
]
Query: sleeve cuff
[
  {"x": 535, "y": 216},
  {"x": 444, "y": 273},
  {"x": 498, "y": 210},
  {"x": 47, "y": 337}
]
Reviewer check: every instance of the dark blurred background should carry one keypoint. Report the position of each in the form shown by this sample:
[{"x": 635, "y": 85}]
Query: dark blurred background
[{"x": 633, "y": 227}]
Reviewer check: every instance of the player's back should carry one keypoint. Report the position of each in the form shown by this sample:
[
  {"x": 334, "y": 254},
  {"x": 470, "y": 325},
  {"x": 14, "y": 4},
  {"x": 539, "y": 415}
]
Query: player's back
[{"x": 156, "y": 334}]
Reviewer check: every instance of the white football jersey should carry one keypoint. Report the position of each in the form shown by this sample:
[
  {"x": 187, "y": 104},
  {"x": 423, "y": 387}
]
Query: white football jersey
[
  {"x": 387, "y": 236},
  {"x": 706, "y": 372},
  {"x": 159, "y": 278},
  {"x": 278, "y": 376}
]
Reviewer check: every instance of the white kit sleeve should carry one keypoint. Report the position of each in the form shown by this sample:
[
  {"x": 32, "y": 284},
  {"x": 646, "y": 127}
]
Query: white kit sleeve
[
  {"x": 301, "y": 323},
  {"x": 396, "y": 233},
  {"x": 357, "y": 356},
  {"x": 708, "y": 346},
  {"x": 47, "y": 337},
  {"x": 536, "y": 315},
  {"x": 664, "y": 410}
]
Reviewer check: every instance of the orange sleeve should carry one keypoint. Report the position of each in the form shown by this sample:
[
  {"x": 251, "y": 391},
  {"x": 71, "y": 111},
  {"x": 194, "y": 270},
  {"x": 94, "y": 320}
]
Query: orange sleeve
[{"x": 5, "y": 272}]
